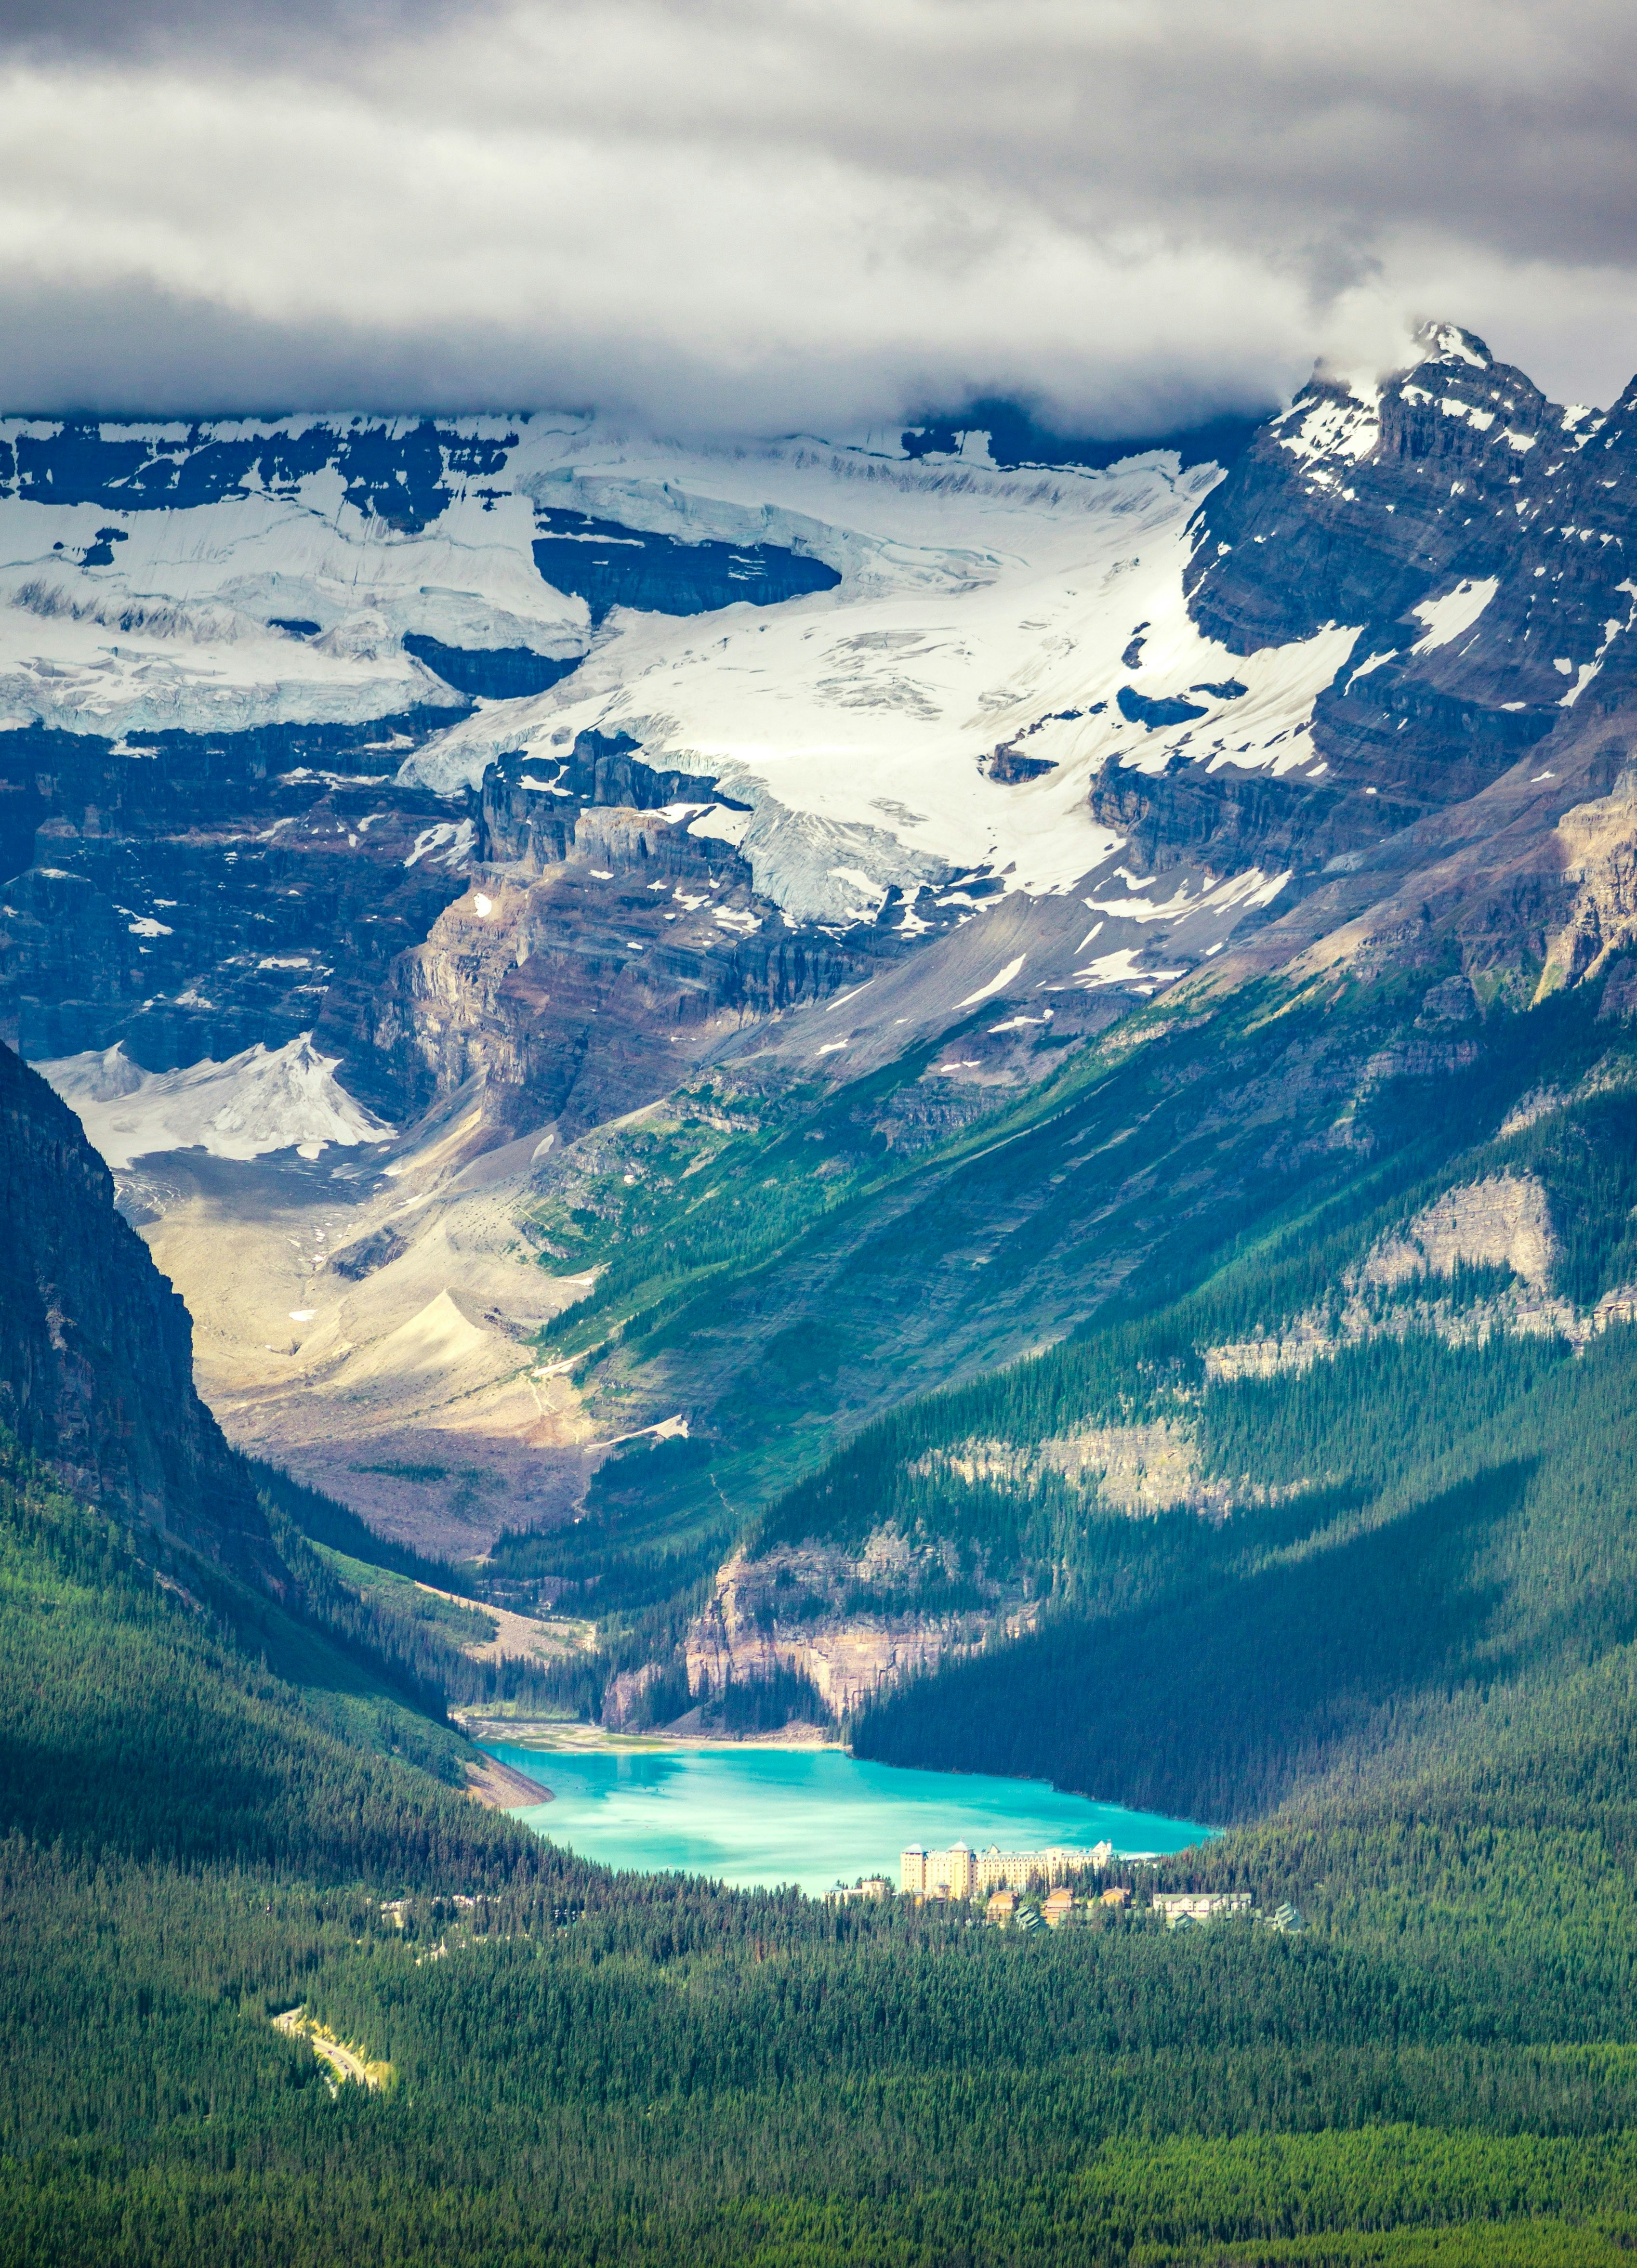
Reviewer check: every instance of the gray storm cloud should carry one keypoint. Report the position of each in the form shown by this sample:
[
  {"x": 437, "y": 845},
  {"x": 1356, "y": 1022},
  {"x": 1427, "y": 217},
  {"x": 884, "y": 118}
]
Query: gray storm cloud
[{"x": 724, "y": 214}]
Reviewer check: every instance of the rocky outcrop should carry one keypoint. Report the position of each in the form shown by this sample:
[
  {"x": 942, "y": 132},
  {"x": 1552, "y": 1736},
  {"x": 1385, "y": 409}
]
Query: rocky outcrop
[
  {"x": 530, "y": 805},
  {"x": 1139, "y": 1469},
  {"x": 611, "y": 564},
  {"x": 1597, "y": 845},
  {"x": 601, "y": 945},
  {"x": 1476, "y": 533},
  {"x": 1503, "y": 1222},
  {"x": 218, "y": 892},
  {"x": 844, "y": 1623},
  {"x": 96, "y": 1349}
]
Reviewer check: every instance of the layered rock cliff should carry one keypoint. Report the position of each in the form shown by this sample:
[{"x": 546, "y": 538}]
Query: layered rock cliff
[
  {"x": 214, "y": 891},
  {"x": 850, "y": 1623},
  {"x": 1476, "y": 533}
]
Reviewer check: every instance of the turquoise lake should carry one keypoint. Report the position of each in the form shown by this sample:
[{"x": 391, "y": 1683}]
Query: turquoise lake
[{"x": 762, "y": 1817}]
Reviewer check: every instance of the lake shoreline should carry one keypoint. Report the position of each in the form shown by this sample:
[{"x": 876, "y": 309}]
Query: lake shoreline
[
  {"x": 549, "y": 1735},
  {"x": 501, "y": 1787},
  {"x": 765, "y": 1814}
]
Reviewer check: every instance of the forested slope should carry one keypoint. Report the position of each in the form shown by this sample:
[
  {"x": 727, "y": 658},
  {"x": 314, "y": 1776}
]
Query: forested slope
[
  {"x": 1387, "y": 1628},
  {"x": 585, "y": 2067}
]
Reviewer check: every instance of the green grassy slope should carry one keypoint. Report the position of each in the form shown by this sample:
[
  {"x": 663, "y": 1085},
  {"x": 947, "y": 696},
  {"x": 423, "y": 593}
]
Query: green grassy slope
[
  {"x": 1198, "y": 1176},
  {"x": 810, "y": 1276}
]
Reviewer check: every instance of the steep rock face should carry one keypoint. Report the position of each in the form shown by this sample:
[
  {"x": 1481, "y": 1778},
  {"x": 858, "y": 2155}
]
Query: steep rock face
[
  {"x": 1475, "y": 531},
  {"x": 217, "y": 894},
  {"x": 212, "y": 893},
  {"x": 832, "y": 1617},
  {"x": 1526, "y": 883},
  {"x": 1597, "y": 913},
  {"x": 1139, "y": 1469},
  {"x": 1503, "y": 1221},
  {"x": 610, "y": 934},
  {"x": 96, "y": 1351},
  {"x": 610, "y": 565}
]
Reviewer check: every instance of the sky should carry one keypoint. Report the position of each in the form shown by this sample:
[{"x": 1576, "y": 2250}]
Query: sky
[{"x": 767, "y": 215}]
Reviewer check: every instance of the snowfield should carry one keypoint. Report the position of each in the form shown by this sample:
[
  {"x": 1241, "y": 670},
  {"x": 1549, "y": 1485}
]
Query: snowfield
[
  {"x": 979, "y": 610},
  {"x": 256, "y": 1102},
  {"x": 995, "y": 639}
]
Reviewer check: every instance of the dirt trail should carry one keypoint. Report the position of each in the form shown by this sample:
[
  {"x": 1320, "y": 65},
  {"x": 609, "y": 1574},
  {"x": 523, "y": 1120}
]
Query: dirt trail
[{"x": 296, "y": 2024}]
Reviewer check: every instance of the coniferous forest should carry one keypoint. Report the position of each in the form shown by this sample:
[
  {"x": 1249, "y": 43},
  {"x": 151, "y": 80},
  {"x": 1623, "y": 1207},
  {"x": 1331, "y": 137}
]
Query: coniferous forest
[{"x": 1400, "y": 1670}]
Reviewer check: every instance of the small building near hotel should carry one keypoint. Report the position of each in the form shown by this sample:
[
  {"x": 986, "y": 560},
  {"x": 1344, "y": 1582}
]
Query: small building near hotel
[{"x": 1176, "y": 1907}]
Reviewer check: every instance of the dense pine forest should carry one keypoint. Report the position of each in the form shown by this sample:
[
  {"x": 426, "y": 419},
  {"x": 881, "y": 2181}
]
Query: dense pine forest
[
  {"x": 1395, "y": 1656},
  {"x": 212, "y": 1819}
]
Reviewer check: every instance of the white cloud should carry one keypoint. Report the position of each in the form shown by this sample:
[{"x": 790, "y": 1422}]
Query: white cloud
[{"x": 723, "y": 211}]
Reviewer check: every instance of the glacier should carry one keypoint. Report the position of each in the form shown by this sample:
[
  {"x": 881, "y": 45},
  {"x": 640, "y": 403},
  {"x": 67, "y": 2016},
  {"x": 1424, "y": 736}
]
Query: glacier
[{"x": 921, "y": 681}]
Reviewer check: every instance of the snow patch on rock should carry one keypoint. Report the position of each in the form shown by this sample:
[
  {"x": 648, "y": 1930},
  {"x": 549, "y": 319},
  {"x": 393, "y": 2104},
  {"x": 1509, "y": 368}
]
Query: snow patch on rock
[
  {"x": 283, "y": 1099},
  {"x": 1454, "y": 611}
]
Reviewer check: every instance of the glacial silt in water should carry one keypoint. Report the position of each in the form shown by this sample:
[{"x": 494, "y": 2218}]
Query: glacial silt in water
[{"x": 760, "y": 1816}]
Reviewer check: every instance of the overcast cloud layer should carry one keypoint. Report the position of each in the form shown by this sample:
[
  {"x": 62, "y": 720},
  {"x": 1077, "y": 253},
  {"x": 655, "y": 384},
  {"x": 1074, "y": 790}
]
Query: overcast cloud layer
[{"x": 768, "y": 214}]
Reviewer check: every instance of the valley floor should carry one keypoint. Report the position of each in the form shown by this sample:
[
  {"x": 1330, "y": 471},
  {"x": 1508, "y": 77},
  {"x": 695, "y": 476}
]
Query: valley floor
[
  {"x": 571, "y": 1736},
  {"x": 412, "y": 1391}
]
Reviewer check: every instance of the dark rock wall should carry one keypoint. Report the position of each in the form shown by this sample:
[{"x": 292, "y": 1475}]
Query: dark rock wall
[
  {"x": 259, "y": 885},
  {"x": 404, "y": 474},
  {"x": 1462, "y": 472},
  {"x": 96, "y": 1349},
  {"x": 504, "y": 672},
  {"x": 609, "y": 565},
  {"x": 615, "y": 944},
  {"x": 226, "y": 890}
]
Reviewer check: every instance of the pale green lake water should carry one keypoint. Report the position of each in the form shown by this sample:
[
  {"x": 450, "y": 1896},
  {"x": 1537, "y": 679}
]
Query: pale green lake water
[{"x": 762, "y": 1817}]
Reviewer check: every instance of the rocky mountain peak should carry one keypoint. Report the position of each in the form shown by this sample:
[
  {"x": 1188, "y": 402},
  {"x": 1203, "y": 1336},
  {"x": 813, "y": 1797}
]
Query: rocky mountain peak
[
  {"x": 1473, "y": 533},
  {"x": 1442, "y": 341}
]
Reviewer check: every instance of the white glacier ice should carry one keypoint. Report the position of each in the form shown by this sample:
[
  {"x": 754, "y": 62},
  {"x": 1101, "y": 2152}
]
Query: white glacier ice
[{"x": 982, "y": 618}]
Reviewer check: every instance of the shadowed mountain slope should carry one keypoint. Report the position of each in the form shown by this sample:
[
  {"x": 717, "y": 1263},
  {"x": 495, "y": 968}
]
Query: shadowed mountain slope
[{"x": 96, "y": 1349}]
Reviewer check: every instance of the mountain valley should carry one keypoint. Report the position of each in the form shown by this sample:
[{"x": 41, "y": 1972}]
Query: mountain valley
[
  {"x": 906, "y": 1093},
  {"x": 671, "y": 1094}
]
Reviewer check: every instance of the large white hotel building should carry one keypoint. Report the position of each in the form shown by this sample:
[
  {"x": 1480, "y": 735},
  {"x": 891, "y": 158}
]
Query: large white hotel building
[{"x": 960, "y": 1871}]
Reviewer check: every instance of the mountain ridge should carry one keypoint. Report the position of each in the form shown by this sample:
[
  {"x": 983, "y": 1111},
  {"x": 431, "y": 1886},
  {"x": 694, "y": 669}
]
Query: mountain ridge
[
  {"x": 1304, "y": 752},
  {"x": 97, "y": 1373},
  {"x": 1170, "y": 1330}
]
